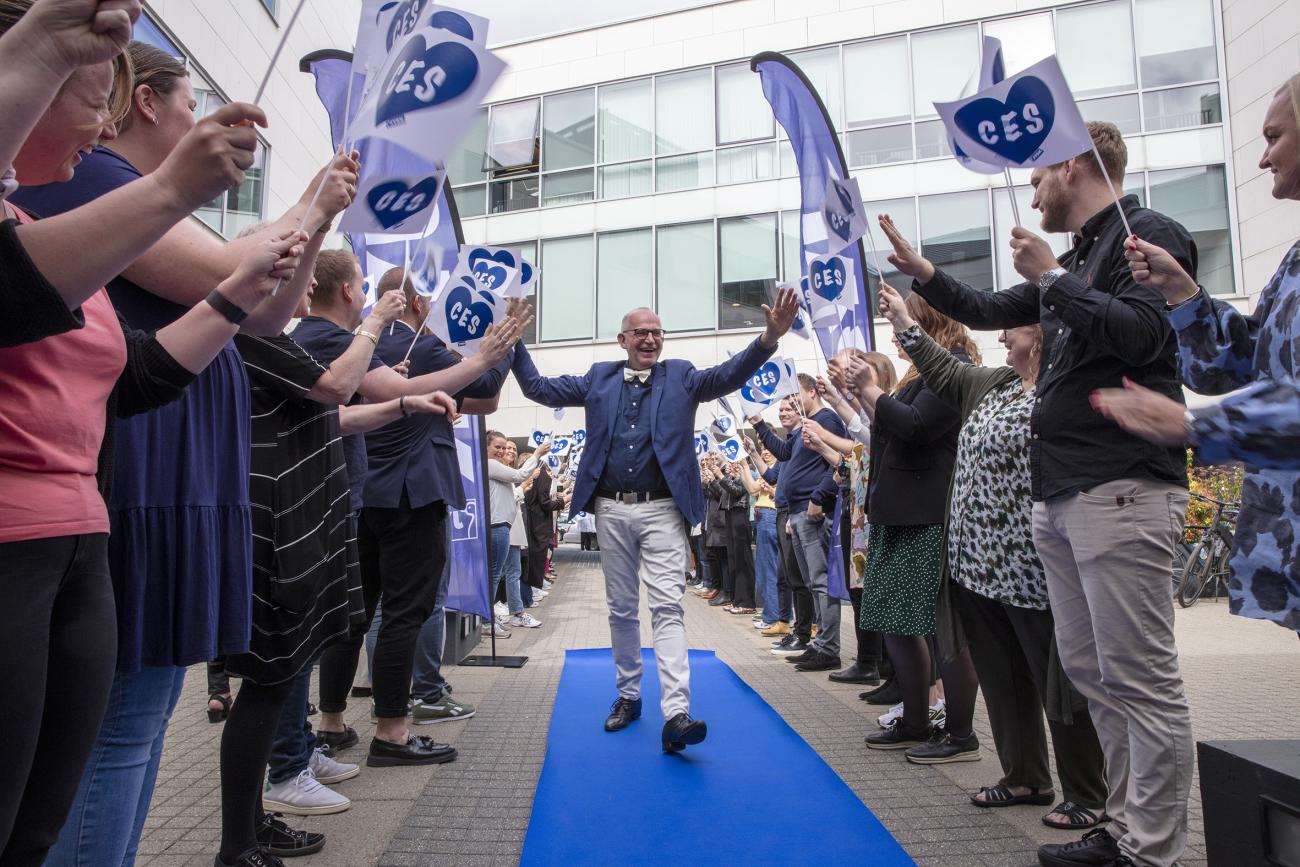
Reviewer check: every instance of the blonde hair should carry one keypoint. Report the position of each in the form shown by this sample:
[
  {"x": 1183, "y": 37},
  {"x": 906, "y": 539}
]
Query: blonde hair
[
  {"x": 886, "y": 376},
  {"x": 943, "y": 330},
  {"x": 1292, "y": 87},
  {"x": 153, "y": 68}
]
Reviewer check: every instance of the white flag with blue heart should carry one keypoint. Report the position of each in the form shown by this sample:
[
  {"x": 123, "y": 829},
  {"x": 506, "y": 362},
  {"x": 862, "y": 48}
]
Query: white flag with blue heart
[
  {"x": 733, "y": 449},
  {"x": 393, "y": 206},
  {"x": 703, "y": 443},
  {"x": 724, "y": 425},
  {"x": 561, "y": 444},
  {"x": 538, "y": 437},
  {"x": 553, "y": 463},
  {"x": 385, "y": 22},
  {"x": 771, "y": 382},
  {"x": 499, "y": 269},
  {"x": 463, "y": 311},
  {"x": 1025, "y": 121},
  {"x": 991, "y": 71},
  {"x": 828, "y": 278},
  {"x": 843, "y": 213}
]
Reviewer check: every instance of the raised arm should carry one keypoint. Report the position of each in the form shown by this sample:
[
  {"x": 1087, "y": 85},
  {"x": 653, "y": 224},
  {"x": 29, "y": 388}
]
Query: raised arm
[
  {"x": 722, "y": 379},
  {"x": 366, "y": 417},
  {"x": 552, "y": 391},
  {"x": 780, "y": 447},
  {"x": 345, "y": 373},
  {"x": 478, "y": 376}
]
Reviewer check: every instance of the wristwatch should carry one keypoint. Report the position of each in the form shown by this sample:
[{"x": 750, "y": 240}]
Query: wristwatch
[
  {"x": 1049, "y": 277},
  {"x": 233, "y": 313}
]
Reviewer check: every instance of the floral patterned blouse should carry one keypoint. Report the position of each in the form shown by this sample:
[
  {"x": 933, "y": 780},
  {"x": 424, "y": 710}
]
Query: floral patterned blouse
[
  {"x": 858, "y": 461},
  {"x": 990, "y": 538}
]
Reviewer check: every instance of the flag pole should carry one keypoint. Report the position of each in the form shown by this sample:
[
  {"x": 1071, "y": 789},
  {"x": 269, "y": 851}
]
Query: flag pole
[
  {"x": 406, "y": 276},
  {"x": 284, "y": 37},
  {"x": 1011, "y": 195},
  {"x": 1101, "y": 167},
  {"x": 418, "y": 331}
]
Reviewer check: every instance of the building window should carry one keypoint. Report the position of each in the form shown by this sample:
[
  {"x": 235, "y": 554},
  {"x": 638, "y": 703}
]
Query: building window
[
  {"x": 878, "y": 84},
  {"x": 1004, "y": 221},
  {"x": 881, "y": 144},
  {"x": 568, "y": 188},
  {"x": 1182, "y": 107},
  {"x": 516, "y": 194},
  {"x": 791, "y": 249},
  {"x": 626, "y": 121},
  {"x": 468, "y": 163},
  {"x": 822, "y": 66},
  {"x": 512, "y": 137},
  {"x": 932, "y": 140},
  {"x": 685, "y": 172},
  {"x": 624, "y": 277},
  {"x": 1198, "y": 199},
  {"x": 1119, "y": 110},
  {"x": 903, "y": 213},
  {"x": 471, "y": 201},
  {"x": 1175, "y": 41},
  {"x": 748, "y": 163},
  {"x": 747, "y": 250},
  {"x": 568, "y": 130},
  {"x": 1095, "y": 47},
  {"x": 627, "y": 179},
  {"x": 1026, "y": 39},
  {"x": 569, "y": 296},
  {"x": 684, "y": 112},
  {"x": 955, "y": 236},
  {"x": 942, "y": 62},
  {"x": 686, "y": 277},
  {"x": 743, "y": 112}
]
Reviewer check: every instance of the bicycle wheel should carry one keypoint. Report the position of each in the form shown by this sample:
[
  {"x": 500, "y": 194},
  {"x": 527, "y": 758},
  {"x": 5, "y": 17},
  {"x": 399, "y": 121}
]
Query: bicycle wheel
[{"x": 1197, "y": 573}]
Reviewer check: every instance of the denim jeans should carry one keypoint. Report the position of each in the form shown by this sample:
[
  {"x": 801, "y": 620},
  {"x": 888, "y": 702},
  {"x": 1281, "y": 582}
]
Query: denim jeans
[
  {"x": 292, "y": 748},
  {"x": 811, "y": 544},
  {"x": 765, "y": 554},
  {"x": 105, "y": 822},
  {"x": 500, "y": 550},
  {"x": 514, "y": 572}
]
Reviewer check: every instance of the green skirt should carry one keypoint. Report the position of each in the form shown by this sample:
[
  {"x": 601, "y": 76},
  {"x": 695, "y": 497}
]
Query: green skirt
[{"x": 901, "y": 583}]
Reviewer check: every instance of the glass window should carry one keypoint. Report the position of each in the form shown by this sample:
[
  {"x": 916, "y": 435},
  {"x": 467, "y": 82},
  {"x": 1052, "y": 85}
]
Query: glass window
[
  {"x": 932, "y": 140},
  {"x": 1095, "y": 47},
  {"x": 1175, "y": 41},
  {"x": 629, "y": 179},
  {"x": 791, "y": 249},
  {"x": 471, "y": 201},
  {"x": 685, "y": 172},
  {"x": 1198, "y": 199},
  {"x": 903, "y": 213},
  {"x": 512, "y": 135},
  {"x": 789, "y": 167},
  {"x": 876, "y": 74},
  {"x": 686, "y": 277},
  {"x": 749, "y": 163},
  {"x": 684, "y": 112},
  {"x": 1004, "y": 221},
  {"x": 883, "y": 144},
  {"x": 943, "y": 61},
  {"x": 1135, "y": 185},
  {"x": 625, "y": 274},
  {"x": 955, "y": 236},
  {"x": 465, "y": 165},
  {"x": 568, "y": 130},
  {"x": 822, "y": 67},
  {"x": 743, "y": 112},
  {"x": 626, "y": 121},
  {"x": 567, "y": 188},
  {"x": 747, "y": 247},
  {"x": 528, "y": 252},
  {"x": 1182, "y": 107},
  {"x": 1119, "y": 110},
  {"x": 1026, "y": 39},
  {"x": 148, "y": 32},
  {"x": 517, "y": 194},
  {"x": 569, "y": 296}
]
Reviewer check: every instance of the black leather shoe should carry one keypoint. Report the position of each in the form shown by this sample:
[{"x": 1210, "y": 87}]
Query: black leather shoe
[
  {"x": 418, "y": 750},
  {"x": 857, "y": 673},
  {"x": 682, "y": 730},
  {"x": 887, "y": 695},
  {"x": 719, "y": 600},
  {"x": 621, "y": 715},
  {"x": 819, "y": 662},
  {"x": 280, "y": 840},
  {"x": 337, "y": 740},
  {"x": 807, "y": 655},
  {"x": 1097, "y": 848}
]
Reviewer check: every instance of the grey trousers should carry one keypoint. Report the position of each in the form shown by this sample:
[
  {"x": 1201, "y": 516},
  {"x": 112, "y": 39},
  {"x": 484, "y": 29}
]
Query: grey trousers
[
  {"x": 1107, "y": 553},
  {"x": 646, "y": 543},
  {"x": 1011, "y": 649},
  {"x": 811, "y": 540}
]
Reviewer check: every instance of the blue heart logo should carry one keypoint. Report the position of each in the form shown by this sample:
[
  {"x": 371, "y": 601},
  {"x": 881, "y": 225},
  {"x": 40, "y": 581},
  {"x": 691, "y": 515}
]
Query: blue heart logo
[
  {"x": 767, "y": 378},
  {"x": 559, "y": 444},
  {"x": 1015, "y": 128},
  {"x": 827, "y": 278},
  {"x": 467, "y": 319},
  {"x": 538, "y": 438},
  {"x": 701, "y": 443},
  {"x": 445, "y": 19},
  {"x": 404, "y": 20},
  {"x": 425, "y": 76},
  {"x": 394, "y": 201},
  {"x": 730, "y": 448},
  {"x": 579, "y": 436},
  {"x": 486, "y": 266},
  {"x": 839, "y": 224},
  {"x": 846, "y": 200},
  {"x": 724, "y": 424},
  {"x": 525, "y": 273}
]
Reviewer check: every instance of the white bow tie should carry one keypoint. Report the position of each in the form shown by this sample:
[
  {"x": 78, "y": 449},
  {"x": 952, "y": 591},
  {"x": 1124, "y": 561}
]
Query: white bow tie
[{"x": 629, "y": 374}]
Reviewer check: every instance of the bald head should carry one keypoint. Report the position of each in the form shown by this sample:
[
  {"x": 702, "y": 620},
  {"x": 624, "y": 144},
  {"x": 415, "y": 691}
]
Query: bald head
[{"x": 642, "y": 337}]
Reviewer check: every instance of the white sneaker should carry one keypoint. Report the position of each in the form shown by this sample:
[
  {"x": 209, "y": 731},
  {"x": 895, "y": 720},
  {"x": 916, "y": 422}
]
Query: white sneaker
[
  {"x": 525, "y": 621},
  {"x": 303, "y": 796},
  {"x": 547, "y": 584},
  {"x": 762, "y": 624},
  {"x": 327, "y": 771},
  {"x": 938, "y": 714},
  {"x": 540, "y": 594},
  {"x": 498, "y": 630},
  {"x": 891, "y": 716},
  {"x": 500, "y": 610}
]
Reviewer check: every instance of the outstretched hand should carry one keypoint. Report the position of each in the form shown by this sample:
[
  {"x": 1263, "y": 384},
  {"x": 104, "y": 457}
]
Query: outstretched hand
[
  {"x": 436, "y": 402},
  {"x": 1144, "y": 413},
  {"x": 780, "y": 316},
  {"x": 905, "y": 258},
  {"x": 892, "y": 306},
  {"x": 263, "y": 268}
]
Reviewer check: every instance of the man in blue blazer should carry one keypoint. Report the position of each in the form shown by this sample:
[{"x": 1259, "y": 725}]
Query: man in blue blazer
[{"x": 640, "y": 479}]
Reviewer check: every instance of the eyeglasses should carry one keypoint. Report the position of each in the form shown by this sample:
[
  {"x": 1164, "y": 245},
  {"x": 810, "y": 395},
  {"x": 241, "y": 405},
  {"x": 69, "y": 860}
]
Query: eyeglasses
[{"x": 643, "y": 333}]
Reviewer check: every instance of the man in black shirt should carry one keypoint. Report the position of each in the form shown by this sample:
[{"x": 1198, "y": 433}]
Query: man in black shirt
[{"x": 1107, "y": 504}]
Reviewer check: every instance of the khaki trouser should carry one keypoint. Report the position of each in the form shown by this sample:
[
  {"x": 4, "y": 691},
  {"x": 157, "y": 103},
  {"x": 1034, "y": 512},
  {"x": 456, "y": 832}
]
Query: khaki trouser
[{"x": 1107, "y": 554}]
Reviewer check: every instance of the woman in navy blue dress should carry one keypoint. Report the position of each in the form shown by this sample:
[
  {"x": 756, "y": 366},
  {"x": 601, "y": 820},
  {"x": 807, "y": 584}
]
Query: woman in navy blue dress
[{"x": 180, "y": 552}]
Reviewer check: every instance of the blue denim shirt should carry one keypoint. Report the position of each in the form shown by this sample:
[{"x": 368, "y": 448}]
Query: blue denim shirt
[{"x": 631, "y": 465}]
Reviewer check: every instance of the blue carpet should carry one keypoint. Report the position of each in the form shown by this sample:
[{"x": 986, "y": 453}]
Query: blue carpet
[{"x": 753, "y": 793}]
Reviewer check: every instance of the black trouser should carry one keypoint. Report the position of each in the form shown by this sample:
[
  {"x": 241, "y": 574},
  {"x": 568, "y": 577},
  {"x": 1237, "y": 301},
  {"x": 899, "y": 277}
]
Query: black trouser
[
  {"x": 804, "y": 610},
  {"x": 1011, "y": 649},
  {"x": 245, "y": 750},
  {"x": 697, "y": 548},
  {"x": 870, "y": 643},
  {"x": 59, "y": 645},
  {"x": 402, "y": 554},
  {"x": 719, "y": 571},
  {"x": 740, "y": 557}
]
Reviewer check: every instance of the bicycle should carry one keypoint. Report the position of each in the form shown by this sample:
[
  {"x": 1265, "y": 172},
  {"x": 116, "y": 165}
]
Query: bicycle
[{"x": 1206, "y": 563}]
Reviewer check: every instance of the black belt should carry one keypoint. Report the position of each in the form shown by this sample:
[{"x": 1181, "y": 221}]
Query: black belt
[{"x": 634, "y": 496}]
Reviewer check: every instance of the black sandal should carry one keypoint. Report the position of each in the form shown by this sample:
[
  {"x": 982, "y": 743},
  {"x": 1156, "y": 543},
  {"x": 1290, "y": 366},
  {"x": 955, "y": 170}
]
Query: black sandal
[
  {"x": 1002, "y": 796},
  {"x": 216, "y": 716},
  {"x": 1079, "y": 817}
]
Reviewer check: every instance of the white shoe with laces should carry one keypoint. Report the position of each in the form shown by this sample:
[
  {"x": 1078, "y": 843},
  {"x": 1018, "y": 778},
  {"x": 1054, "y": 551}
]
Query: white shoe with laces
[
  {"x": 525, "y": 621},
  {"x": 303, "y": 796},
  {"x": 327, "y": 771}
]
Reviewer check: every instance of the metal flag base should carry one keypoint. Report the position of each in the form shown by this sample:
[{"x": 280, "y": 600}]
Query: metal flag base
[{"x": 492, "y": 660}]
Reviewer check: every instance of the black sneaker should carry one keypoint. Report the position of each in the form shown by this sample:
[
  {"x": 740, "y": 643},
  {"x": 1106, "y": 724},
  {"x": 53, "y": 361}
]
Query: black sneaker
[
  {"x": 337, "y": 740},
  {"x": 254, "y": 857},
  {"x": 796, "y": 647},
  {"x": 943, "y": 748},
  {"x": 785, "y": 640},
  {"x": 806, "y": 656},
  {"x": 719, "y": 600},
  {"x": 897, "y": 737},
  {"x": 418, "y": 750},
  {"x": 279, "y": 839},
  {"x": 886, "y": 695},
  {"x": 819, "y": 662},
  {"x": 1097, "y": 848}
]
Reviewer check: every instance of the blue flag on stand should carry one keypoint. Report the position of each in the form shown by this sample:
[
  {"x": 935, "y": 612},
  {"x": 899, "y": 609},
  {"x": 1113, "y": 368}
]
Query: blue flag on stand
[
  {"x": 433, "y": 253},
  {"x": 817, "y": 153}
]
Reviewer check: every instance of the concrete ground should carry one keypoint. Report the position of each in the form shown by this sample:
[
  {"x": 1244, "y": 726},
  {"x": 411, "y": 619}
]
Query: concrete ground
[{"x": 1242, "y": 678}]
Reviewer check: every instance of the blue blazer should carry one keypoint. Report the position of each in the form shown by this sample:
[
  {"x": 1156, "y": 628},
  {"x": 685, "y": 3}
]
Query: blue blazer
[{"x": 676, "y": 390}]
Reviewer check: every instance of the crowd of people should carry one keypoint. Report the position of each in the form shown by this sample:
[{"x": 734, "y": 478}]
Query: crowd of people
[{"x": 259, "y": 476}]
